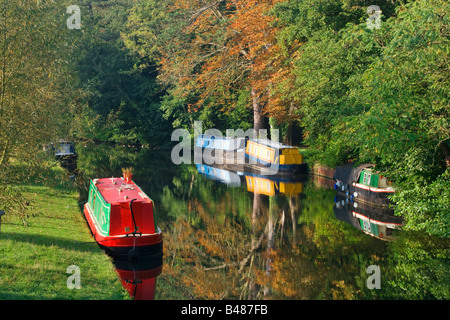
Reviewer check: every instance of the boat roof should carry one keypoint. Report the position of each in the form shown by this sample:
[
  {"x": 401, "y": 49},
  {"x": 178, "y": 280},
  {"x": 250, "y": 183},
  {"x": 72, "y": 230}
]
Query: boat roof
[
  {"x": 116, "y": 190},
  {"x": 272, "y": 144},
  {"x": 213, "y": 137}
]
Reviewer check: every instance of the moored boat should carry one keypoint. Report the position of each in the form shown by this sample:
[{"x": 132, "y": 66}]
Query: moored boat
[
  {"x": 363, "y": 183},
  {"x": 64, "y": 151},
  {"x": 274, "y": 157},
  {"x": 256, "y": 156},
  {"x": 122, "y": 219},
  {"x": 220, "y": 143}
]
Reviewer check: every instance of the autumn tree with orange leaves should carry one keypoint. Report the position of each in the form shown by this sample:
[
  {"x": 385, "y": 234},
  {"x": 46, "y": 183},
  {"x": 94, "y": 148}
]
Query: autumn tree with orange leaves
[{"x": 217, "y": 49}]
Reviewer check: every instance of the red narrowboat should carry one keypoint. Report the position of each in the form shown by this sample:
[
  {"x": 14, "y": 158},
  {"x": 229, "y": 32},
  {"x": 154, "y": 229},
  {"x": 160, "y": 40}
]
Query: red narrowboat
[{"x": 122, "y": 219}]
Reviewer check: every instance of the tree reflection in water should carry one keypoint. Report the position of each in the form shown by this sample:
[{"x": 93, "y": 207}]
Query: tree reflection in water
[{"x": 232, "y": 236}]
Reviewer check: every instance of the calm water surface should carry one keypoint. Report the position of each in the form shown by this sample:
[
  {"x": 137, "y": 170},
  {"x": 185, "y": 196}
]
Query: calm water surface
[{"x": 231, "y": 236}]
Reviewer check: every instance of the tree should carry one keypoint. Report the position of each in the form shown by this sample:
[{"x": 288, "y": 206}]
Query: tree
[
  {"x": 35, "y": 88},
  {"x": 378, "y": 95},
  {"x": 122, "y": 103},
  {"x": 37, "y": 92},
  {"x": 209, "y": 53}
]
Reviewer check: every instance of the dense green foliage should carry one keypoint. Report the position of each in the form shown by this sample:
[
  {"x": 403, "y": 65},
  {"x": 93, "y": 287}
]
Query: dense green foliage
[
  {"x": 359, "y": 94},
  {"x": 120, "y": 103},
  {"x": 380, "y": 96}
]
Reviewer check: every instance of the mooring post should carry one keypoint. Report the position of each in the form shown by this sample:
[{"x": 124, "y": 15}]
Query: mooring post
[{"x": 1, "y": 214}]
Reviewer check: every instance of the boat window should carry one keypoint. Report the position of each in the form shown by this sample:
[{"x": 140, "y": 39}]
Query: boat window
[
  {"x": 368, "y": 178},
  {"x": 365, "y": 177}
]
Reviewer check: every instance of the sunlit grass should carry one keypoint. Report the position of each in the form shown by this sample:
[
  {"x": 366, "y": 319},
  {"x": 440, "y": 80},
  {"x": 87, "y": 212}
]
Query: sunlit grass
[{"x": 34, "y": 258}]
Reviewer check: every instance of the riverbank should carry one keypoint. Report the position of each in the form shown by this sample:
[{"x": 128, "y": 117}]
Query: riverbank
[{"x": 34, "y": 259}]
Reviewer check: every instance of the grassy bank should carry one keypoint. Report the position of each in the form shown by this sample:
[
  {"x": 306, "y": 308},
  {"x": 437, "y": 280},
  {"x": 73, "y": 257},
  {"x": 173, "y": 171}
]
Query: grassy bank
[{"x": 34, "y": 259}]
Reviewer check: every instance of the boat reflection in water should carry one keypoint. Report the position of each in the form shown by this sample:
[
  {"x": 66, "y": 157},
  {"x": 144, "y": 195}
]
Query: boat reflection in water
[
  {"x": 139, "y": 277},
  {"x": 377, "y": 221},
  {"x": 227, "y": 177},
  {"x": 258, "y": 184}
]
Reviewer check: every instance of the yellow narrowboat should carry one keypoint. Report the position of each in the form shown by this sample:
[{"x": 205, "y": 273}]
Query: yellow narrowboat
[{"x": 269, "y": 153}]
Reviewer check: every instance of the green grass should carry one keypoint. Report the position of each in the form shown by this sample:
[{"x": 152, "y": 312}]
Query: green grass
[{"x": 34, "y": 259}]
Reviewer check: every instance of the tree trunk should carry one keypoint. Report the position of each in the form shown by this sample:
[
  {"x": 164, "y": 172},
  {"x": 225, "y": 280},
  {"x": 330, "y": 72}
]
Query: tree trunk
[{"x": 258, "y": 118}]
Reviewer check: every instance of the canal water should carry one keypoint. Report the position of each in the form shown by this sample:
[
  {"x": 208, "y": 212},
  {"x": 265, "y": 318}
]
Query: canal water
[{"x": 232, "y": 236}]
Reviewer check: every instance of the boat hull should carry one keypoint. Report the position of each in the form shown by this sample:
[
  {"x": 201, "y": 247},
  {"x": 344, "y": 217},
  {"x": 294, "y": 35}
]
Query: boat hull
[
  {"x": 347, "y": 185},
  {"x": 132, "y": 247},
  {"x": 241, "y": 162}
]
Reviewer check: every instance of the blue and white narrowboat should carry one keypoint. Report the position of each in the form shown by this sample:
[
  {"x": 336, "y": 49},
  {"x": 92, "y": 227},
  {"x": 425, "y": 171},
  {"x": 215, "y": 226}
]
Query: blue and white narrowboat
[{"x": 220, "y": 143}]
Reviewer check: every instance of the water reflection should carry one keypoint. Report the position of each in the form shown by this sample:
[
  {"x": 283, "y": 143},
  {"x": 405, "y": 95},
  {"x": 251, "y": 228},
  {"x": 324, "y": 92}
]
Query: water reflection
[
  {"x": 228, "y": 235},
  {"x": 376, "y": 221},
  {"x": 139, "y": 277}
]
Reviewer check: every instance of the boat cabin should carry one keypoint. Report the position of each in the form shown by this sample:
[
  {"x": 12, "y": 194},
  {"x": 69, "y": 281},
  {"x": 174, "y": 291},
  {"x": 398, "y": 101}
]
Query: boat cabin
[
  {"x": 220, "y": 143},
  {"x": 268, "y": 152},
  {"x": 64, "y": 149},
  {"x": 370, "y": 178},
  {"x": 119, "y": 208}
]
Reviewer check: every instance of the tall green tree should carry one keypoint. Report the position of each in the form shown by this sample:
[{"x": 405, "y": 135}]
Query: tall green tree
[
  {"x": 122, "y": 103},
  {"x": 35, "y": 84},
  {"x": 37, "y": 92}
]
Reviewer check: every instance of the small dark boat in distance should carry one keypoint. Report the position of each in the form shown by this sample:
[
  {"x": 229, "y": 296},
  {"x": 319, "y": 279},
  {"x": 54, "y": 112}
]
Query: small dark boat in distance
[
  {"x": 64, "y": 150},
  {"x": 122, "y": 219}
]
